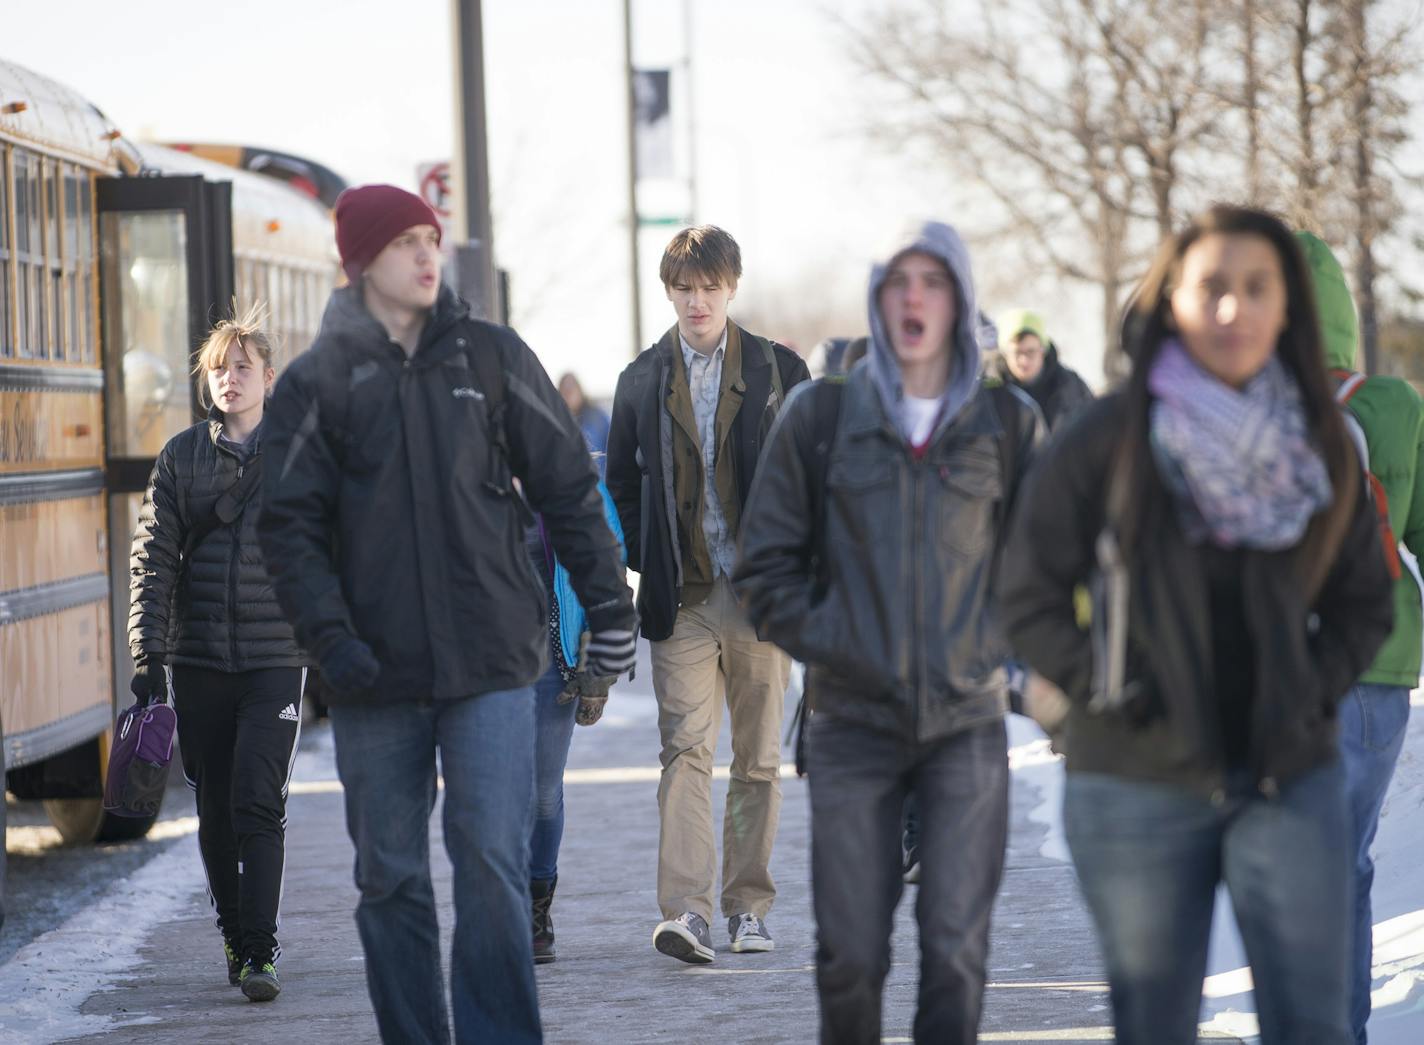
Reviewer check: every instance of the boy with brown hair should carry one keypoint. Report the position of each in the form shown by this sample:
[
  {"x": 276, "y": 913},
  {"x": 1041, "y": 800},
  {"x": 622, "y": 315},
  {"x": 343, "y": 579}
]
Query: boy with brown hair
[{"x": 690, "y": 415}]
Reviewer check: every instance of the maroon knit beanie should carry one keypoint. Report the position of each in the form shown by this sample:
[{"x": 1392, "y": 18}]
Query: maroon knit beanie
[{"x": 368, "y": 217}]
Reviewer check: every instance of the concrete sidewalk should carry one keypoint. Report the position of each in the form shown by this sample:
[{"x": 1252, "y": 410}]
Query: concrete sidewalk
[{"x": 609, "y": 984}]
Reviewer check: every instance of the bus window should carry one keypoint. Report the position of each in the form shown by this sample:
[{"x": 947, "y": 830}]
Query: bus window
[
  {"x": 145, "y": 276},
  {"x": 73, "y": 303},
  {"x": 29, "y": 252},
  {"x": 53, "y": 341},
  {"x": 88, "y": 299},
  {"x": 7, "y": 343}
]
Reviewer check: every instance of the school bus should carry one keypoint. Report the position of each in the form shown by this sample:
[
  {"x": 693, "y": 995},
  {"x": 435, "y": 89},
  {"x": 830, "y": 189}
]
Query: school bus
[{"x": 115, "y": 259}]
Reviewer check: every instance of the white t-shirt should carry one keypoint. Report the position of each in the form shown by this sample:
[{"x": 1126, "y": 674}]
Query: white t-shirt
[{"x": 918, "y": 417}]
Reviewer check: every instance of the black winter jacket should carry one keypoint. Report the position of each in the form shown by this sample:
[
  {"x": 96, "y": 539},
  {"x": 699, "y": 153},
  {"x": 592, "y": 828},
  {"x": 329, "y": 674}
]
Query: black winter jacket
[
  {"x": 1305, "y": 656},
  {"x": 228, "y": 616},
  {"x": 388, "y": 516},
  {"x": 636, "y": 473},
  {"x": 1057, "y": 390},
  {"x": 902, "y": 638}
]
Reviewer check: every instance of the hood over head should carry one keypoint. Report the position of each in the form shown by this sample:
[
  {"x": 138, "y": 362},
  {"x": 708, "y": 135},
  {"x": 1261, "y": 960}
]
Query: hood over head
[
  {"x": 1335, "y": 308},
  {"x": 1021, "y": 321},
  {"x": 942, "y": 242}
]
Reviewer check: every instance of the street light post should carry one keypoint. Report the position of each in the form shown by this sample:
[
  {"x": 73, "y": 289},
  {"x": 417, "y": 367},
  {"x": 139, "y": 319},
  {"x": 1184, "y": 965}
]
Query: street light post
[
  {"x": 635, "y": 298},
  {"x": 474, "y": 234}
]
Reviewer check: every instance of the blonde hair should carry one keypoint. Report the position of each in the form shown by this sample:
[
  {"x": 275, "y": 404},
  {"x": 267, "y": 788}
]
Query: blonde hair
[{"x": 243, "y": 331}]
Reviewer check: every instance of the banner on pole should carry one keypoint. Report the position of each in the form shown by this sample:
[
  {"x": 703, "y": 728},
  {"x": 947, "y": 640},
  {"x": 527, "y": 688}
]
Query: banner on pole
[{"x": 652, "y": 122}]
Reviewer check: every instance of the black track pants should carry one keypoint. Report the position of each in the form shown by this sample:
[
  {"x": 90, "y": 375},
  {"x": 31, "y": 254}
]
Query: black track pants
[{"x": 238, "y": 734}]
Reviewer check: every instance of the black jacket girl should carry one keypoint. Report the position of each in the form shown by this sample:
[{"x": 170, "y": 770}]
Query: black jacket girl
[{"x": 218, "y": 610}]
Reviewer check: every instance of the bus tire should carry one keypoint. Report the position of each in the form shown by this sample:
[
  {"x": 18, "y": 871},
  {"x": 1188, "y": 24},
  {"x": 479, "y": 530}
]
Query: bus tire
[
  {"x": 83, "y": 821},
  {"x": 2, "y": 824}
]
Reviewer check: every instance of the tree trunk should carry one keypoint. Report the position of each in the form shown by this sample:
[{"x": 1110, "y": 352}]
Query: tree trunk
[
  {"x": 1251, "y": 101},
  {"x": 1307, "y": 175},
  {"x": 1362, "y": 129}
]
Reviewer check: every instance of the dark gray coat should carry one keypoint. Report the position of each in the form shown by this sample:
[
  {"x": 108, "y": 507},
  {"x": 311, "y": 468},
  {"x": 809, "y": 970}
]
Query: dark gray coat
[
  {"x": 903, "y": 638},
  {"x": 227, "y": 617},
  {"x": 386, "y": 515}
]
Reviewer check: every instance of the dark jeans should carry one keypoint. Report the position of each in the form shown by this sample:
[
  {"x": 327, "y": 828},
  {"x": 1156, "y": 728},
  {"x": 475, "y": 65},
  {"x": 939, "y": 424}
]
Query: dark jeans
[
  {"x": 859, "y": 780},
  {"x": 385, "y": 754},
  {"x": 238, "y": 735},
  {"x": 1149, "y": 858},
  {"x": 1372, "y": 726},
  {"x": 553, "y": 731}
]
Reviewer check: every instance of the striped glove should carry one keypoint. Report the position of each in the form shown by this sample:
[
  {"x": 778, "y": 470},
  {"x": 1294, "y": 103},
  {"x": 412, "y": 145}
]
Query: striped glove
[{"x": 612, "y": 651}]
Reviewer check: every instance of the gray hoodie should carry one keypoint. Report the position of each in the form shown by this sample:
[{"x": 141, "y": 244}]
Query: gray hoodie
[{"x": 939, "y": 241}]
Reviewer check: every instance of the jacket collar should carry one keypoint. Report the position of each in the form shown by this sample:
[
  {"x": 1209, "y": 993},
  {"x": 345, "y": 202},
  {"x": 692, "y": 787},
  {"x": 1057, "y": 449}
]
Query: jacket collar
[
  {"x": 863, "y": 412},
  {"x": 215, "y": 421},
  {"x": 346, "y": 319}
]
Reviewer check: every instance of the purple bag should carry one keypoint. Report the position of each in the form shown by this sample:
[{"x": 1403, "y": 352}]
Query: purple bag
[{"x": 138, "y": 760}]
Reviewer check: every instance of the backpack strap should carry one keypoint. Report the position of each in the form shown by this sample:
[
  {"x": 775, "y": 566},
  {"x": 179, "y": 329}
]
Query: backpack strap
[
  {"x": 482, "y": 357},
  {"x": 226, "y": 509},
  {"x": 1350, "y": 382},
  {"x": 827, "y": 394},
  {"x": 1006, "y": 404},
  {"x": 489, "y": 375},
  {"x": 769, "y": 348}
]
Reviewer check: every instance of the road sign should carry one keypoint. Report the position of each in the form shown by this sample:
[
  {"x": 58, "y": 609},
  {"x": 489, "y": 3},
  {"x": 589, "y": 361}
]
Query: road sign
[{"x": 434, "y": 182}]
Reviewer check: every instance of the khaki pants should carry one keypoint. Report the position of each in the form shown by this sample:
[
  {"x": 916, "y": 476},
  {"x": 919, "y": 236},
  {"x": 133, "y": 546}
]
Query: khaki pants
[{"x": 714, "y": 649}]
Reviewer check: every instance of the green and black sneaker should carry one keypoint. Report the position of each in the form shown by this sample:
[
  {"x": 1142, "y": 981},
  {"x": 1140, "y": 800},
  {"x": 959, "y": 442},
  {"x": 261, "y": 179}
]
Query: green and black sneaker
[
  {"x": 259, "y": 982},
  {"x": 234, "y": 963}
]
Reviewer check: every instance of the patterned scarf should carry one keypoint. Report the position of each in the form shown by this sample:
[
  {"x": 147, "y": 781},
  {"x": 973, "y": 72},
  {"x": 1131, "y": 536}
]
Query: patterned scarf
[{"x": 1241, "y": 465}]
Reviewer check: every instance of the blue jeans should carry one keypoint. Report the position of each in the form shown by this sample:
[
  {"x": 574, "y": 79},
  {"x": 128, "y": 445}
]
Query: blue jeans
[
  {"x": 553, "y": 731},
  {"x": 1372, "y": 725},
  {"x": 859, "y": 780},
  {"x": 1149, "y": 857},
  {"x": 385, "y": 755}
]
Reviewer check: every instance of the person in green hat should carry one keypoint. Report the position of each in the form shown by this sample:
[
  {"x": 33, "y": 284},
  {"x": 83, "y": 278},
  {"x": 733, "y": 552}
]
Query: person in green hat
[
  {"x": 1028, "y": 358},
  {"x": 1374, "y": 714}
]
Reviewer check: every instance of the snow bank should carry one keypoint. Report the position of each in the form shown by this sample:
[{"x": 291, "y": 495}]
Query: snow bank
[
  {"x": 45, "y": 983},
  {"x": 1398, "y": 895}
]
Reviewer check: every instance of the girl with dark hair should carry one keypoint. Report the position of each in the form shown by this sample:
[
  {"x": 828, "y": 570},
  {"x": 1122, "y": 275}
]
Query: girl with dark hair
[{"x": 1215, "y": 510}]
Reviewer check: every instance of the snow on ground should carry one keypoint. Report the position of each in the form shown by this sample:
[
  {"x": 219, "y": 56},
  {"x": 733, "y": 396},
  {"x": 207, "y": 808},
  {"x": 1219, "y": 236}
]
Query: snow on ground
[
  {"x": 1398, "y": 896},
  {"x": 45, "y": 983}
]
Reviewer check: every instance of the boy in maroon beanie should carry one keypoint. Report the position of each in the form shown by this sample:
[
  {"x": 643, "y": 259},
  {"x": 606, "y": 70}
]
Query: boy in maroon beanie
[{"x": 393, "y": 535}]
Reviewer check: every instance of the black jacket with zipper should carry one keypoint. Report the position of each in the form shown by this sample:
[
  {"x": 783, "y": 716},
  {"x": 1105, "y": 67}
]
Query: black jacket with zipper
[
  {"x": 897, "y": 629},
  {"x": 388, "y": 514},
  {"x": 1305, "y": 656},
  {"x": 636, "y": 467},
  {"x": 1058, "y": 391},
  {"x": 225, "y": 615}
]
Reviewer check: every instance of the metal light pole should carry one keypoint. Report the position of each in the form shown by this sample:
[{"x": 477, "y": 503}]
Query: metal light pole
[
  {"x": 691, "y": 113},
  {"x": 474, "y": 235},
  {"x": 635, "y": 299}
]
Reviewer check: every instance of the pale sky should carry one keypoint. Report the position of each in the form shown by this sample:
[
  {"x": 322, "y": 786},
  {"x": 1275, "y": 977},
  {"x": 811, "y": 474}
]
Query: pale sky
[{"x": 365, "y": 87}]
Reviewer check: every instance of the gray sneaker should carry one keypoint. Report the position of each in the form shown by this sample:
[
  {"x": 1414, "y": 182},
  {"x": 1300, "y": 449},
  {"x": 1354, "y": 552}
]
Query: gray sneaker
[
  {"x": 685, "y": 938},
  {"x": 749, "y": 934}
]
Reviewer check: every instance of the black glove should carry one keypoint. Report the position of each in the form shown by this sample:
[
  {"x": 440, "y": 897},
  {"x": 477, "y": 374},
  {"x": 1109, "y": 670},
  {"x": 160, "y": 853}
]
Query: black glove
[
  {"x": 150, "y": 681},
  {"x": 350, "y": 665}
]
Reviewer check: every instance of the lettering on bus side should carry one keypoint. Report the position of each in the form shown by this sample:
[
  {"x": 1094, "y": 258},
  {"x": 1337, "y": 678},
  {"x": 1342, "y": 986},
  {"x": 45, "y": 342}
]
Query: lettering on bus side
[{"x": 60, "y": 429}]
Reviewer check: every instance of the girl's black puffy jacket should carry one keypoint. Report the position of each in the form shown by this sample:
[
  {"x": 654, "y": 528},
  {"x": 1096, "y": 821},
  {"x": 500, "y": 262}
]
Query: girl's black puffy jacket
[{"x": 226, "y": 616}]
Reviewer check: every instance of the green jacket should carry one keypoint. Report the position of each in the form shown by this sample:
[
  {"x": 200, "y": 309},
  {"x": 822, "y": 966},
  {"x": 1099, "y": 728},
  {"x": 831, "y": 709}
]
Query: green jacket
[{"x": 1392, "y": 415}]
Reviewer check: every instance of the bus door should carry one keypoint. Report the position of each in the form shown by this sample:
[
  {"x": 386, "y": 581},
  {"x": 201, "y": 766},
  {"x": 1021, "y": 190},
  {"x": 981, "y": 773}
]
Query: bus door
[{"x": 166, "y": 275}]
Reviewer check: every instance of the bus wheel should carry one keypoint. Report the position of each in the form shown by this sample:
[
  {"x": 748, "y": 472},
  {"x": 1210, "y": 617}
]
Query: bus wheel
[
  {"x": 81, "y": 821},
  {"x": 2, "y": 824}
]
